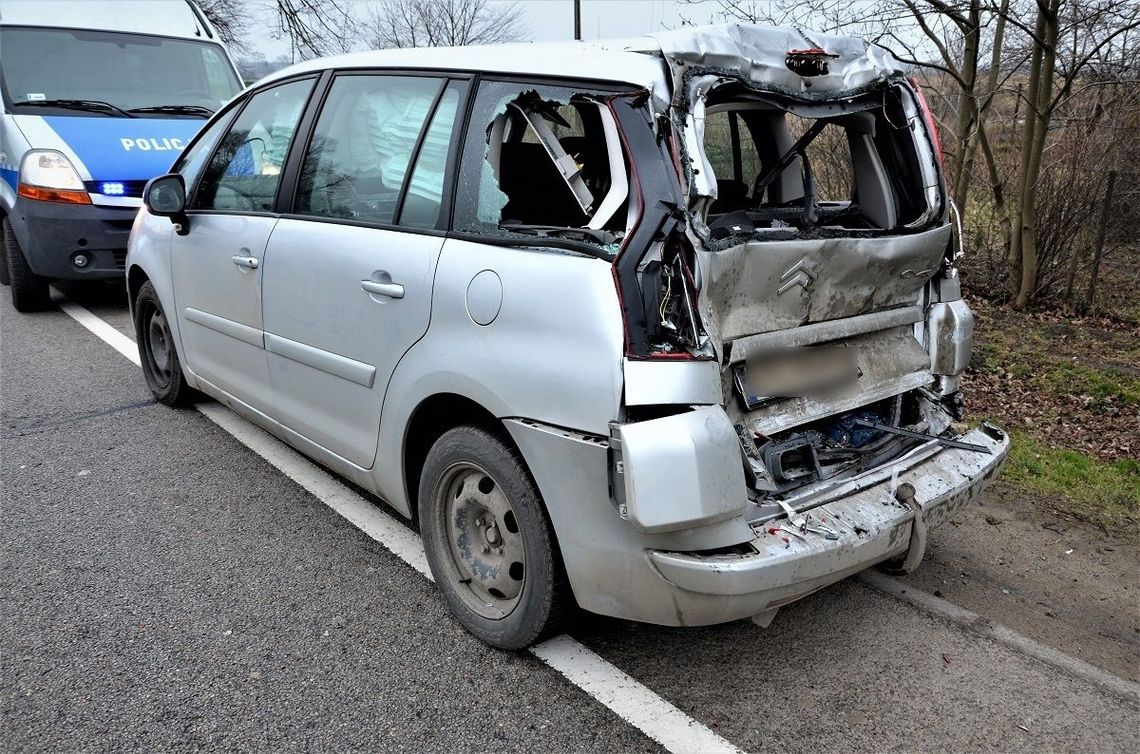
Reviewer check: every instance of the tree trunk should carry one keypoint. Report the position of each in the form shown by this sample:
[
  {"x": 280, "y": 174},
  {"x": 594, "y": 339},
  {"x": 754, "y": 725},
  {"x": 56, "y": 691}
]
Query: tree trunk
[
  {"x": 967, "y": 104},
  {"x": 1101, "y": 232},
  {"x": 1042, "y": 116},
  {"x": 965, "y": 178},
  {"x": 1028, "y": 130}
]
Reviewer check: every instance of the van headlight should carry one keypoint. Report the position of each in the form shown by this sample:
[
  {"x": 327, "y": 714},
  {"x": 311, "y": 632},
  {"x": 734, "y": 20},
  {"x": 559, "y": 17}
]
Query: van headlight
[{"x": 48, "y": 176}]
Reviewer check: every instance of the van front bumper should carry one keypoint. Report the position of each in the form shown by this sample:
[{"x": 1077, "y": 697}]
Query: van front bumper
[
  {"x": 51, "y": 234},
  {"x": 872, "y": 526}
]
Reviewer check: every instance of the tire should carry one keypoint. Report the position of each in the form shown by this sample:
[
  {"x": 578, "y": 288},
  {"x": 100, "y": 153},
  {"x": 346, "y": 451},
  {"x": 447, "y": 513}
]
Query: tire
[
  {"x": 29, "y": 290},
  {"x": 157, "y": 354},
  {"x": 489, "y": 542},
  {"x": 5, "y": 232}
]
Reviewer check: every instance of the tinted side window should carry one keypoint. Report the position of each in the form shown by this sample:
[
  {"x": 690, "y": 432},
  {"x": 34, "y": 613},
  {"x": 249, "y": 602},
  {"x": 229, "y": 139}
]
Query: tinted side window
[
  {"x": 424, "y": 198},
  {"x": 362, "y": 146},
  {"x": 192, "y": 161},
  {"x": 243, "y": 174}
]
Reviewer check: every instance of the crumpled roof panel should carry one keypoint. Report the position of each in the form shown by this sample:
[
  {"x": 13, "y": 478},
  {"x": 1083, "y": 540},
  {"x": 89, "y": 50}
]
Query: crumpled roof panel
[{"x": 759, "y": 53}]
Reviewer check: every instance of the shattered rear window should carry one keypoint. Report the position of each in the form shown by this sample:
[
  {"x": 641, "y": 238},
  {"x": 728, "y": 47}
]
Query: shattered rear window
[
  {"x": 544, "y": 162},
  {"x": 854, "y": 166}
]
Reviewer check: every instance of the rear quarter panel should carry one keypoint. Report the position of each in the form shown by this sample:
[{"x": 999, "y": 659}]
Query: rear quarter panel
[{"x": 553, "y": 353}]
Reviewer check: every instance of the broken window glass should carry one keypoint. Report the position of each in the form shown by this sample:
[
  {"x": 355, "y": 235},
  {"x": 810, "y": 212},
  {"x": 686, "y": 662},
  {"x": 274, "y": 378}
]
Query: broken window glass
[
  {"x": 780, "y": 167},
  {"x": 543, "y": 161}
]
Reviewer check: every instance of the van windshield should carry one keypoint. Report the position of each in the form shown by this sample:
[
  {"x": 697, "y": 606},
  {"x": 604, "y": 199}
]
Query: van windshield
[{"x": 123, "y": 72}]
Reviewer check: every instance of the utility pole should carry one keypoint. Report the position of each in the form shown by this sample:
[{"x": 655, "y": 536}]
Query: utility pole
[{"x": 577, "y": 19}]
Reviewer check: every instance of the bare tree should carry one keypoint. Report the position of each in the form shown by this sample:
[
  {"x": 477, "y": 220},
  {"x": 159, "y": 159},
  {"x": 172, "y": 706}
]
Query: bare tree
[
  {"x": 315, "y": 27},
  {"x": 441, "y": 23},
  {"x": 230, "y": 18}
]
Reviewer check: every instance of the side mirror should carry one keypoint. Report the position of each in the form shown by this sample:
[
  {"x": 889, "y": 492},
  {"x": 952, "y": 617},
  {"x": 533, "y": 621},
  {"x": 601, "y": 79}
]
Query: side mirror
[{"x": 165, "y": 196}]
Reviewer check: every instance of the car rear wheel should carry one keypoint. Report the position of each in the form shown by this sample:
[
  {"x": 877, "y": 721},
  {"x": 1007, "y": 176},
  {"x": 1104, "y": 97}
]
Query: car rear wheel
[
  {"x": 489, "y": 542},
  {"x": 157, "y": 355},
  {"x": 29, "y": 290}
]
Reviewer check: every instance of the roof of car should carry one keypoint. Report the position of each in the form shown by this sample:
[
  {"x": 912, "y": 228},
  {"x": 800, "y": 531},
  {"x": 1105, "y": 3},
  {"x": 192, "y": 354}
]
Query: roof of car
[
  {"x": 759, "y": 53},
  {"x": 613, "y": 60},
  {"x": 168, "y": 18}
]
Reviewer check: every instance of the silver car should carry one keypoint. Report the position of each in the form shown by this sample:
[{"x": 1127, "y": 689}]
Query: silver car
[{"x": 665, "y": 329}]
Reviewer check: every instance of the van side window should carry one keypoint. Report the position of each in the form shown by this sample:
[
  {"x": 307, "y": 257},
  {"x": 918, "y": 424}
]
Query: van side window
[
  {"x": 243, "y": 174},
  {"x": 362, "y": 146},
  {"x": 424, "y": 197},
  {"x": 543, "y": 161}
]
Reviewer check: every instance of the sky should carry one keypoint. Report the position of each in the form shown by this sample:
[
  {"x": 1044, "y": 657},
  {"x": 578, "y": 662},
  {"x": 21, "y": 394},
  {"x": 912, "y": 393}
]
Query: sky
[{"x": 550, "y": 20}]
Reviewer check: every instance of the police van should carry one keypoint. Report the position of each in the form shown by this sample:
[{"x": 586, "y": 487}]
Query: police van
[{"x": 97, "y": 98}]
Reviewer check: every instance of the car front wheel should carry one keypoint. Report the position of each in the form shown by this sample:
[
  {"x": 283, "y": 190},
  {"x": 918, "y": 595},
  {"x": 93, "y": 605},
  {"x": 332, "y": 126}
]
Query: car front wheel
[
  {"x": 160, "y": 364},
  {"x": 488, "y": 540}
]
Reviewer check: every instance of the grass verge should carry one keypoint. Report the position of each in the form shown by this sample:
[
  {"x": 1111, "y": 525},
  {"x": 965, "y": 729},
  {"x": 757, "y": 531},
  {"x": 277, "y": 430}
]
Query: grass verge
[{"x": 1106, "y": 493}]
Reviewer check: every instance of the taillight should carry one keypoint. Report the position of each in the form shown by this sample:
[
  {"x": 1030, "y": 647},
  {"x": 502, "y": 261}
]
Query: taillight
[
  {"x": 931, "y": 126},
  {"x": 676, "y": 331}
]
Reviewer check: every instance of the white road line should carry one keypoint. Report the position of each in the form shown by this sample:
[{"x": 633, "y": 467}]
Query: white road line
[
  {"x": 632, "y": 701},
  {"x": 1001, "y": 634},
  {"x": 102, "y": 330},
  {"x": 629, "y": 699}
]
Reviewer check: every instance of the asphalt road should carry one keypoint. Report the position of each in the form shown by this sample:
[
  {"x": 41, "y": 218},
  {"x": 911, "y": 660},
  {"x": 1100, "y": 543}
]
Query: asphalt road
[{"x": 163, "y": 587}]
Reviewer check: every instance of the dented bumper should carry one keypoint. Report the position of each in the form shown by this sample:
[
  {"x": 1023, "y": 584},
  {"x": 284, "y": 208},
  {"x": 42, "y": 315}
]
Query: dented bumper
[{"x": 872, "y": 526}]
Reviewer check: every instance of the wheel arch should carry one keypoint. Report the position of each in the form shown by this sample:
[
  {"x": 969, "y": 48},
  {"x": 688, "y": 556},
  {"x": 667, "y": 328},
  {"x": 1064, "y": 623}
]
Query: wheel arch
[
  {"x": 136, "y": 276},
  {"x": 430, "y": 419}
]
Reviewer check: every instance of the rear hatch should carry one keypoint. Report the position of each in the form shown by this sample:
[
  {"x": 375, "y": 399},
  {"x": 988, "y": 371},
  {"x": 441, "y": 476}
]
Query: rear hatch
[{"x": 813, "y": 257}]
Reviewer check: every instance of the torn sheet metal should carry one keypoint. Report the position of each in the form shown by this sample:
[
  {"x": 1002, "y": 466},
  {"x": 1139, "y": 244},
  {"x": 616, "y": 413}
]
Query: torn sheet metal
[{"x": 759, "y": 55}]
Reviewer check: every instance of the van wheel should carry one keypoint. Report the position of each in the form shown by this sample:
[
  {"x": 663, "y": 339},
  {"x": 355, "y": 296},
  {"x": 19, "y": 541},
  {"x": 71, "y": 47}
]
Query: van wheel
[
  {"x": 4, "y": 231},
  {"x": 489, "y": 542},
  {"x": 159, "y": 359},
  {"x": 29, "y": 290}
]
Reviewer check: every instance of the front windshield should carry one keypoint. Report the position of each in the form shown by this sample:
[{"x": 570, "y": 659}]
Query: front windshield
[{"x": 127, "y": 71}]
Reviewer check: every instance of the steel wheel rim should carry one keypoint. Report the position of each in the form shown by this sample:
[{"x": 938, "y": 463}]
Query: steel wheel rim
[
  {"x": 486, "y": 557},
  {"x": 158, "y": 345}
]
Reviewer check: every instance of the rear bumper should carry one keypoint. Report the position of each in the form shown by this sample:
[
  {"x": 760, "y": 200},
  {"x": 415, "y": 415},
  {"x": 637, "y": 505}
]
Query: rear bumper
[
  {"x": 52, "y": 233},
  {"x": 872, "y": 527}
]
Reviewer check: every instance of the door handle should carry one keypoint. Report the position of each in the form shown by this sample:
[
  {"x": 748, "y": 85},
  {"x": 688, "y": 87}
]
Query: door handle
[
  {"x": 391, "y": 290},
  {"x": 250, "y": 263}
]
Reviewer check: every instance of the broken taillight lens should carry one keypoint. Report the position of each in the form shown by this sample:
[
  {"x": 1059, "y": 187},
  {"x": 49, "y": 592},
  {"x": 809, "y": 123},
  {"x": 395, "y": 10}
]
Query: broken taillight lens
[{"x": 928, "y": 117}]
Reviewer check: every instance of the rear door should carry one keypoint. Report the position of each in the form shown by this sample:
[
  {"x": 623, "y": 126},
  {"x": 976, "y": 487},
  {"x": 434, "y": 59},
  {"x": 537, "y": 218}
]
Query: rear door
[
  {"x": 348, "y": 286},
  {"x": 217, "y": 265}
]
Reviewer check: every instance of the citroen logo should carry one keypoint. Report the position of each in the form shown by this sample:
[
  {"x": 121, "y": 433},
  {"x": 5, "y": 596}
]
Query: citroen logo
[{"x": 797, "y": 274}]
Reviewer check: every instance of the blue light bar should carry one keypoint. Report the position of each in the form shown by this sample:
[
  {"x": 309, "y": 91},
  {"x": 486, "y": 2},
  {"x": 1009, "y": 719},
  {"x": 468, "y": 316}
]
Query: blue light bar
[{"x": 113, "y": 189}]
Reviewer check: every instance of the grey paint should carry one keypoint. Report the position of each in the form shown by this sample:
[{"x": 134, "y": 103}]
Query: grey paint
[
  {"x": 650, "y": 383},
  {"x": 484, "y": 297},
  {"x": 682, "y": 471},
  {"x": 951, "y": 327},
  {"x": 842, "y": 277},
  {"x": 228, "y": 351},
  {"x": 821, "y": 332},
  {"x": 251, "y": 336},
  {"x": 326, "y": 361},
  {"x": 313, "y": 296}
]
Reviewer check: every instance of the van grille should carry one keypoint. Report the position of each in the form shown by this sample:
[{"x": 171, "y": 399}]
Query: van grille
[{"x": 132, "y": 189}]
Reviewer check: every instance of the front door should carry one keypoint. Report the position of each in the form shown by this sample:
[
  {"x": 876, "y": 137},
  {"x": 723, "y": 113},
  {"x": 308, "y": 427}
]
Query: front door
[
  {"x": 349, "y": 280},
  {"x": 218, "y": 264}
]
